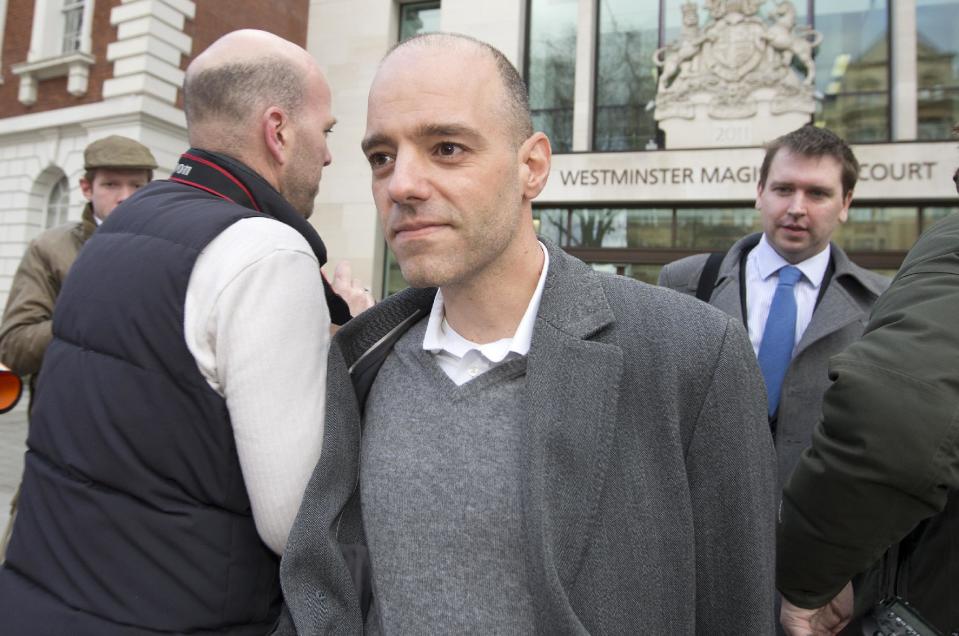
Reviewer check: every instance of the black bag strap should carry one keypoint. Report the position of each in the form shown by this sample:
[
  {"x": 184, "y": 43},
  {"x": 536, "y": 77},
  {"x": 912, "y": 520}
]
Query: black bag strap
[
  {"x": 707, "y": 279},
  {"x": 364, "y": 370},
  {"x": 363, "y": 373}
]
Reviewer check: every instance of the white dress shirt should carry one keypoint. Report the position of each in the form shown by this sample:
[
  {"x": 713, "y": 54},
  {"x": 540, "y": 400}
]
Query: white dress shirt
[
  {"x": 257, "y": 323},
  {"x": 762, "y": 275},
  {"x": 463, "y": 360}
]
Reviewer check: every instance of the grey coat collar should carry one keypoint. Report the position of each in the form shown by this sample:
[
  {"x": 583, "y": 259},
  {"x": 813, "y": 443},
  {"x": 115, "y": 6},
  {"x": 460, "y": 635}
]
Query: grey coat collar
[
  {"x": 842, "y": 304},
  {"x": 574, "y": 301}
]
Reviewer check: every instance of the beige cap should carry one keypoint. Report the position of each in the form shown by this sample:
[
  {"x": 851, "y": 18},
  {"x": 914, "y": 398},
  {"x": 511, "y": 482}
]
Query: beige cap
[{"x": 118, "y": 152}]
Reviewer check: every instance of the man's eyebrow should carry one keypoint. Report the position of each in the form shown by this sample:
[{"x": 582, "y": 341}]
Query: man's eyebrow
[
  {"x": 375, "y": 140},
  {"x": 792, "y": 184},
  {"x": 445, "y": 130},
  {"x": 424, "y": 131}
]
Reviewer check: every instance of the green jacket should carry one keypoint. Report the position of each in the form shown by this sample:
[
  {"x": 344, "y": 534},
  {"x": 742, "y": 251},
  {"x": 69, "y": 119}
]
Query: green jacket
[
  {"x": 883, "y": 469},
  {"x": 27, "y": 326}
]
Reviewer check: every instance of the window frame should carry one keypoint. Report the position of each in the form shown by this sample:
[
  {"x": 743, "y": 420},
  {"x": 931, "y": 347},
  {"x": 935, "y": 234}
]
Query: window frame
[
  {"x": 869, "y": 259},
  {"x": 61, "y": 214},
  {"x": 72, "y": 7}
]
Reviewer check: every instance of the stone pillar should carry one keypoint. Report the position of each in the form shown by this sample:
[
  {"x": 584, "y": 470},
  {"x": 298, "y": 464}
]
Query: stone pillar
[
  {"x": 150, "y": 42},
  {"x": 583, "y": 94},
  {"x": 904, "y": 89}
]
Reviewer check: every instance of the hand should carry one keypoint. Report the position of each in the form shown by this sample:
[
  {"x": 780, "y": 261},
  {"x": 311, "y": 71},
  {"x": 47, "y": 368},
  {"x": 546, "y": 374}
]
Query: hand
[
  {"x": 357, "y": 297},
  {"x": 823, "y": 621}
]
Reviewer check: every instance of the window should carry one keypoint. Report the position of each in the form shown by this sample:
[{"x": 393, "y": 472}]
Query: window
[
  {"x": 852, "y": 65},
  {"x": 419, "y": 17},
  {"x": 60, "y": 45},
  {"x": 852, "y": 69},
  {"x": 393, "y": 280},
  {"x": 625, "y": 77},
  {"x": 714, "y": 229},
  {"x": 551, "y": 69},
  {"x": 638, "y": 241},
  {"x": 937, "y": 22},
  {"x": 58, "y": 204},
  {"x": 932, "y": 214},
  {"x": 72, "y": 25},
  {"x": 876, "y": 229}
]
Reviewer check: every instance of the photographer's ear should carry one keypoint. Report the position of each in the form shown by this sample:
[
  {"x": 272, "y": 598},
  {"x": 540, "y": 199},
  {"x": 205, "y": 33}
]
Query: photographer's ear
[{"x": 276, "y": 130}]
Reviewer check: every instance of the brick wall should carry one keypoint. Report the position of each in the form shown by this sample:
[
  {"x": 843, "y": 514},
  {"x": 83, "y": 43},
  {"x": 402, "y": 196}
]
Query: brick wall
[
  {"x": 51, "y": 93},
  {"x": 287, "y": 18}
]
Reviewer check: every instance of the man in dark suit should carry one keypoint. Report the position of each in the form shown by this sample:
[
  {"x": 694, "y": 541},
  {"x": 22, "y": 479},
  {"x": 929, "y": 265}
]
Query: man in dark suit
[{"x": 805, "y": 188}]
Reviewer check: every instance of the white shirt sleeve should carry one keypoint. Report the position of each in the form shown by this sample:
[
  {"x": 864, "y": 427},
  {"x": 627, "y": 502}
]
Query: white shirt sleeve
[{"x": 257, "y": 323}]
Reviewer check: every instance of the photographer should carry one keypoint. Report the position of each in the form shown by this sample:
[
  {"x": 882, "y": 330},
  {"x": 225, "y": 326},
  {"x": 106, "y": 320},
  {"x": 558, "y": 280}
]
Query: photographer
[{"x": 883, "y": 470}]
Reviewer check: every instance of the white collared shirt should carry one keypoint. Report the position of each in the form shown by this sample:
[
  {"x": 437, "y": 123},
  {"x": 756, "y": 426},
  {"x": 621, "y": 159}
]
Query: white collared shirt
[
  {"x": 463, "y": 360},
  {"x": 762, "y": 275},
  {"x": 244, "y": 329}
]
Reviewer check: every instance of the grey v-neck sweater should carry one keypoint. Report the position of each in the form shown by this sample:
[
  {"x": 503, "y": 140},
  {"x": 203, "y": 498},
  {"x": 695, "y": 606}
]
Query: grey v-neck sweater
[{"x": 441, "y": 491}]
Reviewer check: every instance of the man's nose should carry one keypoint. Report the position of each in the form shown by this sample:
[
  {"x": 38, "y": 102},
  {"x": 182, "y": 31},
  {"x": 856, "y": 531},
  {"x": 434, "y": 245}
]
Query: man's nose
[
  {"x": 797, "y": 203},
  {"x": 408, "y": 180}
]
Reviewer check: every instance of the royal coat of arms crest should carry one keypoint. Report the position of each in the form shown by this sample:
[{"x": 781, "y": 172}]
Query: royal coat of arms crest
[{"x": 738, "y": 67}]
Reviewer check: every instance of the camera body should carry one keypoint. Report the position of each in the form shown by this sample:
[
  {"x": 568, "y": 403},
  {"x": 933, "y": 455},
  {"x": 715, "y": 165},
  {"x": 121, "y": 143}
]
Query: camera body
[{"x": 896, "y": 617}]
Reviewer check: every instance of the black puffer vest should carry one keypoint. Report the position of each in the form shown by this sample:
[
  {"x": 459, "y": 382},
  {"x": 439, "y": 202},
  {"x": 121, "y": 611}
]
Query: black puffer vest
[{"x": 134, "y": 516}]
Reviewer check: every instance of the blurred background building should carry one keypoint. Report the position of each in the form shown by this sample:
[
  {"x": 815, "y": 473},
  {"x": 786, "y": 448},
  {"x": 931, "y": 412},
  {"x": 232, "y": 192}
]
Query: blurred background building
[{"x": 620, "y": 196}]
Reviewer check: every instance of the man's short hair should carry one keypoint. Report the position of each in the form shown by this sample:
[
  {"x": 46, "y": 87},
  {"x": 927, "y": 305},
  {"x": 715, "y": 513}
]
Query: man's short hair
[
  {"x": 517, "y": 96},
  {"x": 812, "y": 141},
  {"x": 234, "y": 91}
]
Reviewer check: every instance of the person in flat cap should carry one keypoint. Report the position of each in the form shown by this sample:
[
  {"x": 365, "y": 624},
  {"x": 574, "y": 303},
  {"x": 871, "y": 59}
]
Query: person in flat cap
[{"x": 114, "y": 168}]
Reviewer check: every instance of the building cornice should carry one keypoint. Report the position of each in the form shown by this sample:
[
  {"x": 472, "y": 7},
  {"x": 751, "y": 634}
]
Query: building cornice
[{"x": 127, "y": 106}]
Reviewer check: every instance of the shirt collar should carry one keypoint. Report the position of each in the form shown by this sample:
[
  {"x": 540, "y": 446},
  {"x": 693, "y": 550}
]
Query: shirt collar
[
  {"x": 768, "y": 262},
  {"x": 441, "y": 337}
]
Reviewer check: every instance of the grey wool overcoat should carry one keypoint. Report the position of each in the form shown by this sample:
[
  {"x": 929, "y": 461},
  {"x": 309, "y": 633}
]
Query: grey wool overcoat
[
  {"x": 836, "y": 323},
  {"x": 649, "y": 469}
]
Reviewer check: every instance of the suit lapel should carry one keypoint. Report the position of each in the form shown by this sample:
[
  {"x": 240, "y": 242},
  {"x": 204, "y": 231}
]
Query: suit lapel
[
  {"x": 838, "y": 307},
  {"x": 836, "y": 310},
  {"x": 573, "y": 390}
]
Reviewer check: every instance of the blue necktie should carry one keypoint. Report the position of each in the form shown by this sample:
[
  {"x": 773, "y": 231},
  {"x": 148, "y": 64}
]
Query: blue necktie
[{"x": 779, "y": 335}]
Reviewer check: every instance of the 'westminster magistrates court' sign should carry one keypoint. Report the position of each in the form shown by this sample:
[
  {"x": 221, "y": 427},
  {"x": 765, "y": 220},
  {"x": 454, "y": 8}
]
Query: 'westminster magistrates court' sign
[{"x": 889, "y": 172}]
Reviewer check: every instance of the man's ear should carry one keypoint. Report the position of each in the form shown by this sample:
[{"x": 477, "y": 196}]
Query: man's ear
[
  {"x": 759, "y": 194},
  {"x": 535, "y": 156},
  {"x": 276, "y": 132},
  {"x": 86, "y": 188},
  {"x": 846, "y": 202}
]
